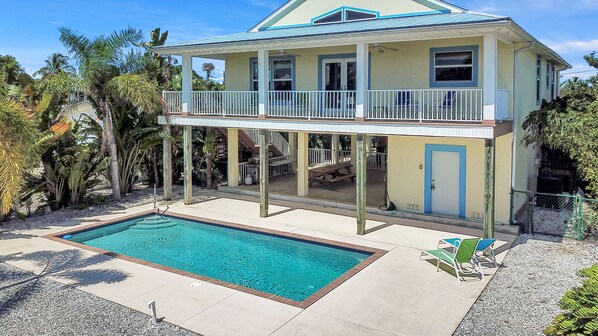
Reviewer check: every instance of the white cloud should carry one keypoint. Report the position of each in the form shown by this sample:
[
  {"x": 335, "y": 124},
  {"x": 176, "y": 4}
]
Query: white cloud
[{"x": 573, "y": 46}]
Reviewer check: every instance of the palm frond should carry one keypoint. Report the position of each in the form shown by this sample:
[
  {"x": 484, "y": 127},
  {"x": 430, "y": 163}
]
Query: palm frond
[{"x": 134, "y": 89}]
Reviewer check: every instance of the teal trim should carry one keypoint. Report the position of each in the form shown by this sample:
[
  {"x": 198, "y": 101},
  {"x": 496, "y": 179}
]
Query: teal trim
[
  {"x": 462, "y": 150},
  {"x": 334, "y": 56},
  {"x": 454, "y": 84},
  {"x": 380, "y": 17},
  {"x": 277, "y": 15},
  {"x": 344, "y": 14},
  {"x": 334, "y": 11},
  {"x": 394, "y": 16},
  {"x": 270, "y": 59}
]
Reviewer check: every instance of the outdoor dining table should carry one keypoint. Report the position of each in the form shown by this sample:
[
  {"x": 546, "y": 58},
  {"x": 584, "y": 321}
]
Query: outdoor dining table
[{"x": 331, "y": 174}]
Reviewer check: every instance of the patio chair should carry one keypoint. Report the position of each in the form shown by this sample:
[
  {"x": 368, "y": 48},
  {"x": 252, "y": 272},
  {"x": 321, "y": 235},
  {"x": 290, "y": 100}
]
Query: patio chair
[
  {"x": 405, "y": 105},
  {"x": 485, "y": 245},
  {"x": 463, "y": 253},
  {"x": 449, "y": 100}
]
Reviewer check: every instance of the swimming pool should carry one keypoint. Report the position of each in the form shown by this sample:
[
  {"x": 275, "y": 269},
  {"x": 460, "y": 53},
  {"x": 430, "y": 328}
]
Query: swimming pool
[{"x": 265, "y": 262}]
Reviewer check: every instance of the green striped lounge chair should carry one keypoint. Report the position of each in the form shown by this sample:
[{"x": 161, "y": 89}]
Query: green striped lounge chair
[{"x": 462, "y": 254}]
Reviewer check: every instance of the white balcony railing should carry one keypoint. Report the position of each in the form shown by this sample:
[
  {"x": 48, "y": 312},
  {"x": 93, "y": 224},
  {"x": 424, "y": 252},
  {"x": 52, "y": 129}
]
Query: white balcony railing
[
  {"x": 312, "y": 104},
  {"x": 451, "y": 104},
  {"x": 224, "y": 103},
  {"x": 426, "y": 104},
  {"x": 173, "y": 101},
  {"x": 320, "y": 157}
]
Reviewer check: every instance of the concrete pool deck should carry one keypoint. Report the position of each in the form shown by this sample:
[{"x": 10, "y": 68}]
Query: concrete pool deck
[{"x": 396, "y": 295}]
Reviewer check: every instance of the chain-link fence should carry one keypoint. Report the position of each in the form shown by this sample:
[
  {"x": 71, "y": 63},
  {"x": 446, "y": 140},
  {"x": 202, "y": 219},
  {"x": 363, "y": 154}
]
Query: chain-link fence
[{"x": 563, "y": 215}]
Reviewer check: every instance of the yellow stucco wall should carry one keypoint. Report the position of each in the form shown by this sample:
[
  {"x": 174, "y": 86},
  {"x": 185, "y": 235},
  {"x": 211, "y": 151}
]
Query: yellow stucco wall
[
  {"x": 525, "y": 171},
  {"x": 406, "y": 173},
  {"x": 407, "y": 68},
  {"x": 314, "y": 8}
]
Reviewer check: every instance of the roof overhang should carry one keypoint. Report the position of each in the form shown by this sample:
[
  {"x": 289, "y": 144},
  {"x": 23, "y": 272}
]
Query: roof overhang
[{"x": 506, "y": 30}]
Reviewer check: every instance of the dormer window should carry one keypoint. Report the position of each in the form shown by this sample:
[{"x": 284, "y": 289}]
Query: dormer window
[{"x": 345, "y": 15}]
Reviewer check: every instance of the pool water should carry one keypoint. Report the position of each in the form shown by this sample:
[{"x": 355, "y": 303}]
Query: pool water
[{"x": 285, "y": 267}]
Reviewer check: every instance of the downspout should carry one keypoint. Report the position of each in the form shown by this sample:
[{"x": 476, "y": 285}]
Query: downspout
[{"x": 515, "y": 114}]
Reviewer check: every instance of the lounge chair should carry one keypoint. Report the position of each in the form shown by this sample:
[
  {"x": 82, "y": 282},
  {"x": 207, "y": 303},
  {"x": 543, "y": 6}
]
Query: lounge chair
[
  {"x": 485, "y": 245},
  {"x": 463, "y": 253}
]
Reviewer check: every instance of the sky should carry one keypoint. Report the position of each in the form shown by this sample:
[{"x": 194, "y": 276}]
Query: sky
[{"x": 29, "y": 28}]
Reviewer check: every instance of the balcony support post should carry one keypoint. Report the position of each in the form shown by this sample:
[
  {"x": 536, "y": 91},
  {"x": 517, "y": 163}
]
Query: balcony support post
[
  {"x": 335, "y": 147},
  {"x": 187, "y": 78},
  {"x": 264, "y": 172},
  {"x": 263, "y": 65},
  {"x": 361, "y": 183},
  {"x": 490, "y": 76},
  {"x": 302, "y": 164},
  {"x": 353, "y": 150},
  {"x": 167, "y": 162},
  {"x": 293, "y": 150},
  {"x": 489, "y": 185},
  {"x": 232, "y": 142},
  {"x": 362, "y": 77},
  {"x": 188, "y": 164}
]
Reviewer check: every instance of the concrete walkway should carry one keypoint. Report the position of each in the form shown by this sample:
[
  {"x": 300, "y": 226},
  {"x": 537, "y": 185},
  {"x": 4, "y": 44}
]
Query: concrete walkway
[{"x": 396, "y": 295}]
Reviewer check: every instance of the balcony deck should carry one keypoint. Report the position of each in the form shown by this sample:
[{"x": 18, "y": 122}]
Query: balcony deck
[{"x": 416, "y": 105}]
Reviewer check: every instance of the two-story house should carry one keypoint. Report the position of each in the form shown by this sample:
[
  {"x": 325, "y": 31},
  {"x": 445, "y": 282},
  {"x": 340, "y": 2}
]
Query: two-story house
[{"x": 448, "y": 89}]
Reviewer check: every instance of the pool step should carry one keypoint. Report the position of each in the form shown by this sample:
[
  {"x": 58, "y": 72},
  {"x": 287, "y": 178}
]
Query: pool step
[{"x": 152, "y": 223}]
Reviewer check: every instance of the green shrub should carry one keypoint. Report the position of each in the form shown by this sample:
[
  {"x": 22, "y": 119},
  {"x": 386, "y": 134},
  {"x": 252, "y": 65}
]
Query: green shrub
[{"x": 581, "y": 308}]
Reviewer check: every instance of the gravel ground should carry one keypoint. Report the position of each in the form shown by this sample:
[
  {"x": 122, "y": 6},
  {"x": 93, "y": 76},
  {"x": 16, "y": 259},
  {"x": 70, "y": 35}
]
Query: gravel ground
[
  {"x": 38, "y": 306},
  {"x": 522, "y": 297}
]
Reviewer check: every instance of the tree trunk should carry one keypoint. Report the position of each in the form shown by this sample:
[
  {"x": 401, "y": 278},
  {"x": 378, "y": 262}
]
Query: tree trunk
[
  {"x": 112, "y": 150},
  {"x": 209, "y": 171}
]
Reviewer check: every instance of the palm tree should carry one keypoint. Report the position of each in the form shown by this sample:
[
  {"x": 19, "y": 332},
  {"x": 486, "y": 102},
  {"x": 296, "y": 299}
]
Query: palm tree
[
  {"x": 11, "y": 68},
  {"x": 107, "y": 87},
  {"x": 208, "y": 68},
  {"x": 56, "y": 63},
  {"x": 19, "y": 150}
]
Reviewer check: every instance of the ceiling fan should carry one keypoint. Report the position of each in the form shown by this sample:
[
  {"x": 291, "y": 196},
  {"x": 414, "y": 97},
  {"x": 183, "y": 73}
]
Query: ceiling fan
[{"x": 381, "y": 49}]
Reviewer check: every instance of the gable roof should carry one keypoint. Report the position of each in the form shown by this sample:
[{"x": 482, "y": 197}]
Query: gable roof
[
  {"x": 344, "y": 28},
  {"x": 434, "y": 6}
]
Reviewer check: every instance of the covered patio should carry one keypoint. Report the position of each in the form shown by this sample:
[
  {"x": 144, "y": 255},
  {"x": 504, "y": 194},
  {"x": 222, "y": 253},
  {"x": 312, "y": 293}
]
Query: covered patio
[{"x": 343, "y": 192}]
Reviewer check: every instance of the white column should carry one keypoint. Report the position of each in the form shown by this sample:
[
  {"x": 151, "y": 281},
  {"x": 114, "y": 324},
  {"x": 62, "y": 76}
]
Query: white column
[
  {"x": 490, "y": 76},
  {"x": 362, "y": 77},
  {"x": 335, "y": 145},
  {"x": 302, "y": 164},
  {"x": 263, "y": 81},
  {"x": 293, "y": 149},
  {"x": 187, "y": 77},
  {"x": 233, "y": 157}
]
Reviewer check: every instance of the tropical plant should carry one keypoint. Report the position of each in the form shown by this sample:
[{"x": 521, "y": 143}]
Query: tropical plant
[
  {"x": 73, "y": 164},
  {"x": 581, "y": 308},
  {"x": 107, "y": 87},
  {"x": 570, "y": 124},
  {"x": 56, "y": 63}
]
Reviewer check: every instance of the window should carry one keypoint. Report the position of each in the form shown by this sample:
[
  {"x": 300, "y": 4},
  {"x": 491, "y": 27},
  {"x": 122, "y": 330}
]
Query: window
[
  {"x": 345, "y": 15},
  {"x": 332, "y": 18},
  {"x": 453, "y": 66},
  {"x": 538, "y": 78},
  {"x": 280, "y": 73},
  {"x": 352, "y": 15}
]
